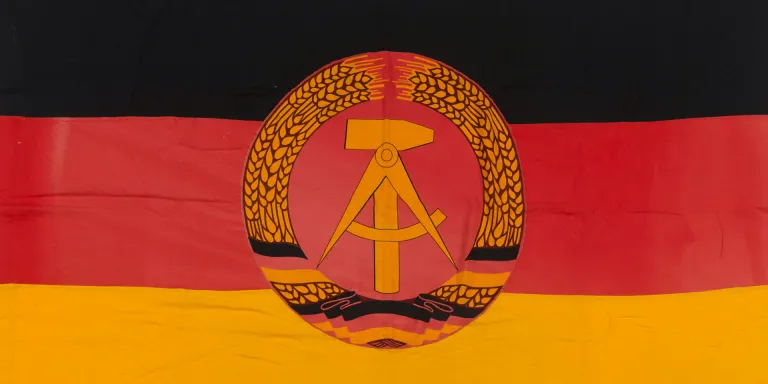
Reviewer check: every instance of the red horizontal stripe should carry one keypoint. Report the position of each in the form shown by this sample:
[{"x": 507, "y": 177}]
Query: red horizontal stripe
[{"x": 618, "y": 208}]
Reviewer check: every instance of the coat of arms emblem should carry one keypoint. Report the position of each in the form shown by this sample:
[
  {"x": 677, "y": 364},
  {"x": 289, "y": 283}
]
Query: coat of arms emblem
[{"x": 383, "y": 198}]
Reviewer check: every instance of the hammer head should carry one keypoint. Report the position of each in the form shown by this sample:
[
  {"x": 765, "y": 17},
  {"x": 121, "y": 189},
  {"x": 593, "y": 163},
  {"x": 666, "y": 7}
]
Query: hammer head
[{"x": 370, "y": 134}]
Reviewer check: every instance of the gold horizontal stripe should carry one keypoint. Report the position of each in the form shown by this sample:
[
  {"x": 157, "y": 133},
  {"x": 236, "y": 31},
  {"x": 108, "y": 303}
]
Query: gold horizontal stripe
[
  {"x": 373, "y": 334},
  {"x": 59, "y": 334},
  {"x": 478, "y": 280},
  {"x": 296, "y": 276}
]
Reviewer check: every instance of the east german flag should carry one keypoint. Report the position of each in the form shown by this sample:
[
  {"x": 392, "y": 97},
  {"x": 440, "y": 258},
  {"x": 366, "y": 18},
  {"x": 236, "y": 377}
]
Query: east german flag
[{"x": 344, "y": 192}]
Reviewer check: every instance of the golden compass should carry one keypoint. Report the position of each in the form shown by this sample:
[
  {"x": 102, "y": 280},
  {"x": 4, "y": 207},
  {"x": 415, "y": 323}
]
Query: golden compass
[{"x": 385, "y": 179}]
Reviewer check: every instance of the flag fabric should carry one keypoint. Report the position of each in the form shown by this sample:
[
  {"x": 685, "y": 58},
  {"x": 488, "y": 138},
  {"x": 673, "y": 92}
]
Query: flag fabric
[
  {"x": 137, "y": 268},
  {"x": 387, "y": 218}
]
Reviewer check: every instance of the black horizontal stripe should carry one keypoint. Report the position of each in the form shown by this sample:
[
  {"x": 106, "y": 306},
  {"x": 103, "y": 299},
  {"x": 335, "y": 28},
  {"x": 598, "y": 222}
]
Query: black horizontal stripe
[
  {"x": 541, "y": 61},
  {"x": 276, "y": 249},
  {"x": 494, "y": 253},
  {"x": 415, "y": 308}
]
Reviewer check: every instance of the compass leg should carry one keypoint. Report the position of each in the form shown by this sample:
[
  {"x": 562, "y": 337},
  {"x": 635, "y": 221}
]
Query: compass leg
[{"x": 386, "y": 254}]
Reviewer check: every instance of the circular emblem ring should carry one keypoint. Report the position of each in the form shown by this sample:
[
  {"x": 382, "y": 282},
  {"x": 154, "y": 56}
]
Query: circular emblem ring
[{"x": 387, "y": 108}]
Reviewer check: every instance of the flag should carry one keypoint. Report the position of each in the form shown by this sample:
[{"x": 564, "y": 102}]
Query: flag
[{"x": 388, "y": 218}]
